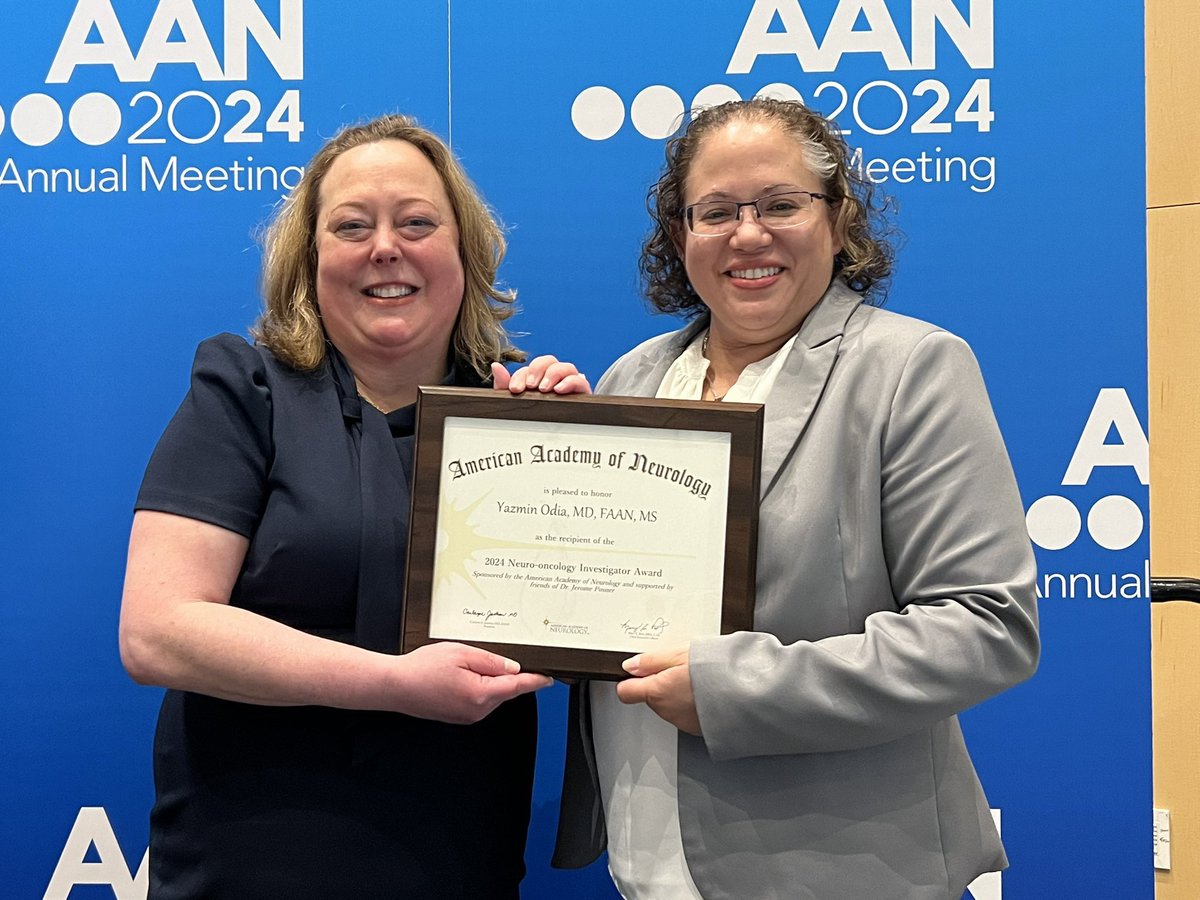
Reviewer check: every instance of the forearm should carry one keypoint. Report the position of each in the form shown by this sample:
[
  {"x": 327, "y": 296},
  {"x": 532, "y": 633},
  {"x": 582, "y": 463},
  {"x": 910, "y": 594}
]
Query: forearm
[
  {"x": 213, "y": 648},
  {"x": 904, "y": 672}
]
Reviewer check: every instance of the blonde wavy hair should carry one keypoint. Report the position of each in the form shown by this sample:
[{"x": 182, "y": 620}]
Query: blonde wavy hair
[{"x": 290, "y": 325}]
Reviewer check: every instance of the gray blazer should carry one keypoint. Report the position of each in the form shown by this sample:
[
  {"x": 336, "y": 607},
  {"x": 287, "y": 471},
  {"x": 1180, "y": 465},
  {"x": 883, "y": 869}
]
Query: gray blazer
[{"x": 895, "y": 589}]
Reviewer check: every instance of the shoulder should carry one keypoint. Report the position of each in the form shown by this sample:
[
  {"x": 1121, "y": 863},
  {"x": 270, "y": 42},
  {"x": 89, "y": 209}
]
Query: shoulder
[
  {"x": 233, "y": 353},
  {"x": 651, "y": 347},
  {"x": 633, "y": 367},
  {"x": 895, "y": 341},
  {"x": 878, "y": 325},
  {"x": 226, "y": 348},
  {"x": 232, "y": 361},
  {"x": 227, "y": 358}
]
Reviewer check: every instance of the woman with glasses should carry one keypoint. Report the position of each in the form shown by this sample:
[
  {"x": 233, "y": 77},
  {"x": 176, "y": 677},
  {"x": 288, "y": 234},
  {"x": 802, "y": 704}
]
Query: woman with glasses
[{"x": 818, "y": 756}]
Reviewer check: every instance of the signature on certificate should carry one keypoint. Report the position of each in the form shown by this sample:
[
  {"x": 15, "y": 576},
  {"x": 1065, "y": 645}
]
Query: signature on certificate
[
  {"x": 489, "y": 615},
  {"x": 652, "y": 629}
]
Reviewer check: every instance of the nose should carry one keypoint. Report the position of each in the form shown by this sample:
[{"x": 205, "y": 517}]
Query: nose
[
  {"x": 386, "y": 248},
  {"x": 749, "y": 232}
]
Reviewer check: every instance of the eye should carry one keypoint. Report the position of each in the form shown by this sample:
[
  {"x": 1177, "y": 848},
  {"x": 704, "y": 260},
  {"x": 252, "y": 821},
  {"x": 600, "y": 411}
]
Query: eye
[
  {"x": 783, "y": 205},
  {"x": 351, "y": 229},
  {"x": 713, "y": 212},
  {"x": 415, "y": 227}
]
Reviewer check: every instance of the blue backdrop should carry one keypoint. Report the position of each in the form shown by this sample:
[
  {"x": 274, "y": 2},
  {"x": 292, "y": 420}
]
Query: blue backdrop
[{"x": 143, "y": 143}]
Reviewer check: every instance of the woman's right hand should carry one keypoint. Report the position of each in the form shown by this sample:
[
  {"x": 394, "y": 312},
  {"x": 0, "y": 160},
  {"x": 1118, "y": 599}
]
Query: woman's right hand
[
  {"x": 457, "y": 683},
  {"x": 545, "y": 374},
  {"x": 178, "y": 630}
]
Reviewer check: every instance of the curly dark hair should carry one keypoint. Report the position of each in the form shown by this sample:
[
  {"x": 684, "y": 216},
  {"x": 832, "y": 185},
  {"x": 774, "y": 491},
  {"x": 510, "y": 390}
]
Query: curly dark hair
[{"x": 865, "y": 261}]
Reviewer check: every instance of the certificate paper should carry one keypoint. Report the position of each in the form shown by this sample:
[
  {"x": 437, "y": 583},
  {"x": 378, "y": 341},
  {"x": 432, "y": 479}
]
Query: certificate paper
[{"x": 588, "y": 540}]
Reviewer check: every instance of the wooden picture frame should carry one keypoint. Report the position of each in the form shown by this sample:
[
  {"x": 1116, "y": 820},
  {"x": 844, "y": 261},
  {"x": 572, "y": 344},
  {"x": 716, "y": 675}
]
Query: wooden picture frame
[{"x": 570, "y": 533}]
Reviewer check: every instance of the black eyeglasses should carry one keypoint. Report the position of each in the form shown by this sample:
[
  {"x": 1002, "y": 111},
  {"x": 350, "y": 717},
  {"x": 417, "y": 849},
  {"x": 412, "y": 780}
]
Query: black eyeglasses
[{"x": 785, "y": 210}]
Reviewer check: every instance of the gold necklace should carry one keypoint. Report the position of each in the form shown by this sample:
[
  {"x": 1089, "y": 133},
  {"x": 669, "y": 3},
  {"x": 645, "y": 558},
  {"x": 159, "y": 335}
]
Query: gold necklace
[
  {"x": 710, "y": 383},
  {"x": 372, "y": 403},
  {"x": 363, "y": 395}
]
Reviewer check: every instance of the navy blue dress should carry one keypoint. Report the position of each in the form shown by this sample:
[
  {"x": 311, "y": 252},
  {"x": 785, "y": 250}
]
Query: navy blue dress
[{"x": 312, "y": 802}]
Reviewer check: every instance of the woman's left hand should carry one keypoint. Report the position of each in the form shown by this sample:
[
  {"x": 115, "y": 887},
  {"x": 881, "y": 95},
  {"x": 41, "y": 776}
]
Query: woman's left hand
[
  {"x": 663, "y": 683},
  {"x": 545, "y": 374}
]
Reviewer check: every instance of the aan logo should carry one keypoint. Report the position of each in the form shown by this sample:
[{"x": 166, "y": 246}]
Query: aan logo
[
  {"x": 781, "y": 28},
  {"x": 1115, "y": 522}
]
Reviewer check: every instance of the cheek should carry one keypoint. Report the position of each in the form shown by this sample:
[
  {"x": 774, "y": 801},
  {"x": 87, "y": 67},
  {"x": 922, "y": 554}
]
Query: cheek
[
  {"x": 455, "y": 272},
  {"x": 695, "y": 255},
  {"x": 331, "y": 261},
  {"x": 449, "y": 269}
]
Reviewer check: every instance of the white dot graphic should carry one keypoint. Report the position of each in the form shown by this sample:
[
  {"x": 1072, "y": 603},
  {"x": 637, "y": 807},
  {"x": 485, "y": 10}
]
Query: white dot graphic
[
  {"x": 713, "y": 95},
  {"x": 95, "y": 119},
  {"x": 1053, "y": 522},
  {"x": 780, "y": 91},
  {"x": 598, "y": 113},
  {"x": 1115, "y": 522},
  {"x": 36, "y": 119},
  {"x": 656, "y": 112}
]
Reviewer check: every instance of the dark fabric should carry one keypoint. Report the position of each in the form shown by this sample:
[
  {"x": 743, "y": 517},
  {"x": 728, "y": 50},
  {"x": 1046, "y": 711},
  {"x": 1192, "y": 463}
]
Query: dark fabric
[
  {"x": 310, "y": 802},
  {"x": 576, "y": 845},
  {"x": 384, "y": 473}
]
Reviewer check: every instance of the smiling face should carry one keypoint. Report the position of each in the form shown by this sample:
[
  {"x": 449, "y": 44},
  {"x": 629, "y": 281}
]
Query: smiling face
[
  {"x": 759, "y": 284},
  {"x": 389, "y": 275}
]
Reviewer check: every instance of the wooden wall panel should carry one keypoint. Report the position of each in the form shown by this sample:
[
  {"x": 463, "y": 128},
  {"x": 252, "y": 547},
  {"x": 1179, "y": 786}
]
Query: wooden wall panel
[
  {"x": 1173, "y": 282},
  {"x": 1175, "y": 640},
  {"x": 1172, "y": 110},
  {"x": 1173, "y": 254}
]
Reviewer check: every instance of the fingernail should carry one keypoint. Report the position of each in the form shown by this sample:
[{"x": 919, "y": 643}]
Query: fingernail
[
  {"x": 544, "y": 385},
  {"x": 632, "y": 664},
  {"x": 531, "y": 381},
  {"x": 511, "y": 666}
]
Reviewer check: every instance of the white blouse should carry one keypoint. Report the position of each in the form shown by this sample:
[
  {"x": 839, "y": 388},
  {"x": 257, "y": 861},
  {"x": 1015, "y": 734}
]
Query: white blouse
[{"x": 636, "y": 751}]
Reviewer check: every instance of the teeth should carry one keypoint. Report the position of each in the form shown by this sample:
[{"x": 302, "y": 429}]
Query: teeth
[
  {"x": 756, "y": 273},
  {"x": 391, "y": 291}
]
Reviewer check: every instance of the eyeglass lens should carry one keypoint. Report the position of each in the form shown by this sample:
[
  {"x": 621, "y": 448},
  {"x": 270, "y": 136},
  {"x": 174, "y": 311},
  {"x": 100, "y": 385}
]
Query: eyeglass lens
[{"x": 776, "y": 211}]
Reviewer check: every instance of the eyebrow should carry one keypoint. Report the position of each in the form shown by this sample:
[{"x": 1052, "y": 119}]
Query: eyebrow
[
  {"x": 365, "y": 204},
  {"x": 766, "y": 192}
]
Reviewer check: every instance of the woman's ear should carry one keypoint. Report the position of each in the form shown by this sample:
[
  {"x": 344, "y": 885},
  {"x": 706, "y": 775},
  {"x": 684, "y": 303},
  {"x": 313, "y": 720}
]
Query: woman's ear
[
  {"x": 678, "y": 238},
  {"x": 840, "y": 222}
]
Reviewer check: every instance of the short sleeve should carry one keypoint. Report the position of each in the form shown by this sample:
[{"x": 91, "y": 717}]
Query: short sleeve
[{"x": 211, "y": 462}]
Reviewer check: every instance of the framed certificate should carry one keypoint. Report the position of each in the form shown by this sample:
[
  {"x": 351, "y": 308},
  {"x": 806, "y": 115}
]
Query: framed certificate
[{"x": 570, "y": 533}]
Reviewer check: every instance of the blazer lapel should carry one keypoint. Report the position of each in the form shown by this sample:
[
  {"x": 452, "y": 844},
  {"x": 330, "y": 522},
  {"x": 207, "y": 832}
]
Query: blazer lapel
[
  {"x": 802, "y": 380},
  {"x": 644, "y": 380}
]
